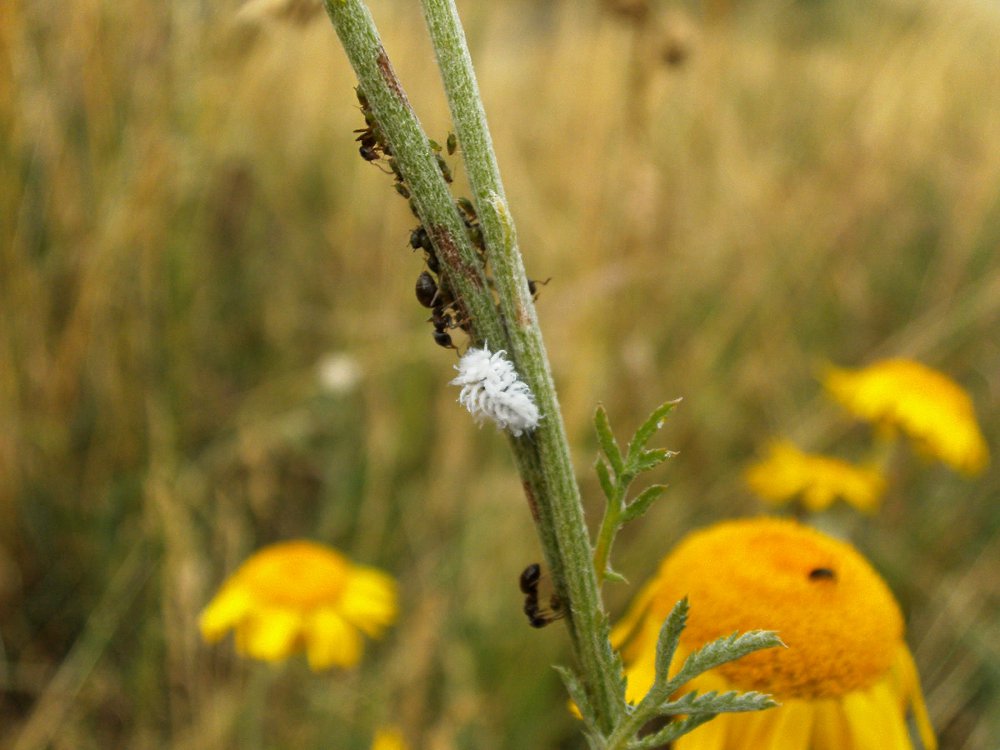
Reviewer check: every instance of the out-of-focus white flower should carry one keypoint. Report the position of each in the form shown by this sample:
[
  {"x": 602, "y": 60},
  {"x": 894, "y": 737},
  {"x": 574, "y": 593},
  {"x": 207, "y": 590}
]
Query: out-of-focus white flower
[
  {"x": 338, "y": 372},
  {"x": 492, "y": 389}
]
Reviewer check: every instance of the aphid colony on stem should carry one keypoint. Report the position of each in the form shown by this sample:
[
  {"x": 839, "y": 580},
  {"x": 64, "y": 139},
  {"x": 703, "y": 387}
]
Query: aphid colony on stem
[{"x": 432, "y": 288}]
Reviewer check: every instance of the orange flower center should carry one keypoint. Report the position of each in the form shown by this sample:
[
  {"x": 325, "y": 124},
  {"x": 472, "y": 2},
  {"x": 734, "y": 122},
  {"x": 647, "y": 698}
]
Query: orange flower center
[
  {"x": 839, "y": 620},
  {"x": 297, "y": 574}
]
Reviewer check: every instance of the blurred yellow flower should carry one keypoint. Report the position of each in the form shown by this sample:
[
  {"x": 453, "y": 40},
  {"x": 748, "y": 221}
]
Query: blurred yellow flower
[
  {"x": 845, "y": 682},
  {"x": 389, "y": 739},
  {"x": 301, "y": 595},
  {"x": 788, "y": 472},
  {"x": 930, "y": 407}
]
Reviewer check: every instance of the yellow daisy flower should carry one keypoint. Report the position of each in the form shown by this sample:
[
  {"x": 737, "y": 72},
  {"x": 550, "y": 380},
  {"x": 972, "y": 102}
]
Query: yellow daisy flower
[
  {"x": 845, "y": 682},
  {"x": 930, "y": 407},
  {"x": 389, "y": 739},
  {"x": 788, "y": 472},
  {"x": 301, "y": 595}
]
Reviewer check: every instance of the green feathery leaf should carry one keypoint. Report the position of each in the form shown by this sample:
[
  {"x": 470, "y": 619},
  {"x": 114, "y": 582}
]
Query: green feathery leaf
[
  {"x": 648, "y": 428},
  {"x": 606, "y": 438},
  {"x": 670, "y": 635},
  {"x": 643, "y": 501}
]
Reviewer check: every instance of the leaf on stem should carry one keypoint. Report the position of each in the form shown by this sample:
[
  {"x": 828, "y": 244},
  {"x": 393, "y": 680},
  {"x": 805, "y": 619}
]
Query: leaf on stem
[
  {"x": 648, "y": 428},
  {"x": 643, "y": 501},
  {"x": 578, "y": 694},
  {"x": 725, "y": 649},
  {"x": 671, "y": 732},
  {"x": 648, "y": 459},
  {"x": 611, "y": 574},
  {"x": 670, "y": 635},
  {"x": 607, "y": 440},
  {"x": 714, "y": 703},
  {"x": 604, "y": 477}
]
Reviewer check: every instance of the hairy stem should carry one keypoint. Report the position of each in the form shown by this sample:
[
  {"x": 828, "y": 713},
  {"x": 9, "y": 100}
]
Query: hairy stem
[
  {"x": 543, "y": 457},
  {"x": 415, "y": 160}
]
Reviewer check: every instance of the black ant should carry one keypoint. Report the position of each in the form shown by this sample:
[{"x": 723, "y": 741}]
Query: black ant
[
  {"x": 442, "y": 321},
  {"x": 533, "y": 286},
  {"x": 419, "y": 239},
  {"x": 427, "y": 289},
  {"x": 538, "y": 617}
]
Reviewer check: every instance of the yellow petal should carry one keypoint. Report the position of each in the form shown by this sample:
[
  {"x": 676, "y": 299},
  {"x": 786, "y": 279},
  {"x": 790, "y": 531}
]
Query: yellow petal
[
  {"x": 874, "y": 719},
  {"x": 369, "y": 600},
  {"x": 904, "y": 672},
  {"x": 787, "y": 726},
  {"x": 830, "y": 726},
  {"x": 224, "y": 612},
  {"x": 331, "y": 641},
  {"x": 269, "y": 634},
  {"x": 623, "y": 631},
  {"x": 710, "y": 736},
  {"x": 388, "y": 739}
]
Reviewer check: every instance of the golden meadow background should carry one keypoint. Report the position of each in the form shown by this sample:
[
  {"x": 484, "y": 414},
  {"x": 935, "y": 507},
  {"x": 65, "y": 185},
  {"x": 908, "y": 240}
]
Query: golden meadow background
[{"x": 188, "y": 233}]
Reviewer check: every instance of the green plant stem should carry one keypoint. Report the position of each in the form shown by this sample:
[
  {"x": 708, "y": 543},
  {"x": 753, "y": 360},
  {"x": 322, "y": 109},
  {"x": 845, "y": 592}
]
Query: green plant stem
[
  {"x": 415, "y": 159},
  {"x": 605, "y": 538},
  {"x": 543, "y": 456}
]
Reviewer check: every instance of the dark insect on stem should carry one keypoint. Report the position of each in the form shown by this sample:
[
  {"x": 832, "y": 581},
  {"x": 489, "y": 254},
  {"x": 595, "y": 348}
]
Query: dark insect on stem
[
  {"x": 443, "y": 166},
  {"x": 538, "y": 616},
  {"x": 443, "y": 339},
  {"x": 426, "y": 289},
  {"x": 471, "y": 220},
  {"x": 533, "y": 286}
]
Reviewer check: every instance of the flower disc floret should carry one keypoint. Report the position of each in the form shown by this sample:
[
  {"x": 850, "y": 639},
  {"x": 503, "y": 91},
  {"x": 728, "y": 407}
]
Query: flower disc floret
[{"x": 301, "y": 595}]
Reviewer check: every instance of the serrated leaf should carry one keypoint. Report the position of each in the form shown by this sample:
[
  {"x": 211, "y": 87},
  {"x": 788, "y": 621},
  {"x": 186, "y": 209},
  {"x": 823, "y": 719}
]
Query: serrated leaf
[
  {"x": 611, "y": 574},
  {"x": 670, "y": 635},
  {"x": 648, "y": 428},
  {"x": 642, "y": 502},
  {"x": 578, "y": 694},
  {"x": 726, "y": 649},
  {"x": 606, "y": 439},
  {"x": 671, "y": 732},
  {"x": 715, "y": 703},
  {"x": 604, "y": 477},
  {"x": 648, "y": 459}
]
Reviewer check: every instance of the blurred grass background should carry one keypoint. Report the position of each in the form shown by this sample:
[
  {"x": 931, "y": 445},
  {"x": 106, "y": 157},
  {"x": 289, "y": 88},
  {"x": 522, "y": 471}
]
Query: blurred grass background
[{"x": 738, "y": 192}]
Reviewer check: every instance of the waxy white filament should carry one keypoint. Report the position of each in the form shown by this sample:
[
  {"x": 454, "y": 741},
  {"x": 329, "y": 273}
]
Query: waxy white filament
[{"x": 492, "y": 389}]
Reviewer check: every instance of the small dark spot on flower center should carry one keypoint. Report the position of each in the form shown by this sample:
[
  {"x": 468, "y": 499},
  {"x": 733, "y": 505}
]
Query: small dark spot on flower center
[{"x": 820, "y": 574}]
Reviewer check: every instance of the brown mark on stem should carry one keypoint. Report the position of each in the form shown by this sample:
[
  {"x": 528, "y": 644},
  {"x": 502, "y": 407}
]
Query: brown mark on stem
[
  {"x": 523, "y": 318},
  {"x": 448, "y": 253},
  {"x": 389, "y": 76},
  {"x": 532, "y": 504}
]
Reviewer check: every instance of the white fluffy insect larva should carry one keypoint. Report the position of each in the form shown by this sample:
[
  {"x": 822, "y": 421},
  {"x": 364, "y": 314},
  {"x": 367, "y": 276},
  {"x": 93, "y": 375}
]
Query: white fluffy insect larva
[{"x": 492, "y": 389}]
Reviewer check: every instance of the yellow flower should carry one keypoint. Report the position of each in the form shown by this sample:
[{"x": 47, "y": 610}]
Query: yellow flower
[
  {"x": 301, "y": 595},
  {"x": 845, "y": 682},
  {"x": 930, "y": 407},
  {"x": 788, "y": 472},
  {"x": 389, "y": 739}
]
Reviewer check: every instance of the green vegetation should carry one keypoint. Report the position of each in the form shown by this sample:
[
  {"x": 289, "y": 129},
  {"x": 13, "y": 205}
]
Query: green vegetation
[{"x": 187, "y": 233}]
